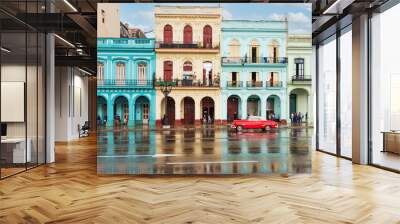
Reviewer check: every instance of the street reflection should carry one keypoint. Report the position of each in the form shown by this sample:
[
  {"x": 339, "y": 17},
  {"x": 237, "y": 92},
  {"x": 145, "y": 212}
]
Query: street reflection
[{"x": 203, "y": 151}]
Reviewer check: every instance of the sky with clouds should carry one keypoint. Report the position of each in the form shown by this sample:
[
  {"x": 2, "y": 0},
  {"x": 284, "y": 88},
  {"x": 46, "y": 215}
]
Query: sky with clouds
[{"x": 141, "y": 15}]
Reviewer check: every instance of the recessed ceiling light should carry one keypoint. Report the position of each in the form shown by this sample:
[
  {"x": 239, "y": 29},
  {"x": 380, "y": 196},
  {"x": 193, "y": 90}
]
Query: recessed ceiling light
[
  {"x": 70, "y": 5},
  {"x": 64, "y": 40},
  {"x": 84, "y": 71},
  {"x": 5, "y": 50}
]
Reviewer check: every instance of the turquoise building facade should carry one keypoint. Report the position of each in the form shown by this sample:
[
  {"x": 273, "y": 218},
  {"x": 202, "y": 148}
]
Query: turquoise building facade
[
  {"x": 125, "y": 87},
  {"x": 254, "y": 69}
]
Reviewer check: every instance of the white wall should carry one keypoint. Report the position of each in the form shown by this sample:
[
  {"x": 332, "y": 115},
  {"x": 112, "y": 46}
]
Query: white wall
[{"x": 71, "y": 102}]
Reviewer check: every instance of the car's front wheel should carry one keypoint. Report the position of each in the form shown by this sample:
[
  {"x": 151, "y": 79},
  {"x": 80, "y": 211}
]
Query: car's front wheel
[
  {"x": 267, "y": 128},
  {"x": 239, "y": 128}
]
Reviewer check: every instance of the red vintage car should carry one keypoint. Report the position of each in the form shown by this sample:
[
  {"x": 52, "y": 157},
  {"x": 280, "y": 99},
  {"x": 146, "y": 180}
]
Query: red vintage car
[{"x": 254, "y": 122}]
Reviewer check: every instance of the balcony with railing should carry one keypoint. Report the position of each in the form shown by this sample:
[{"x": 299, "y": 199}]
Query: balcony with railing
[
  {"x": 124, "y": 83},
  {"x": 303, "y": 79},
  {"x": 181, "y": 45},
  {"x": 125, "y": 42},
  {"x": 188, "y": 83},
  {"x": 273, "y": 84},
  {"x": 234, "y": 84},
  {"x": 254, "y": 84},
  {"x": 253, "y": 60}
]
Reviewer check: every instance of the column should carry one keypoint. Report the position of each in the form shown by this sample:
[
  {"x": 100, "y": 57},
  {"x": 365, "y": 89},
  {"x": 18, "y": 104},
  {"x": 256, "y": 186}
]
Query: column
[
  {"x": 177, "y": 111},
  {"x": 360, "y": 90},
  {"x": 198, "y": 115},
  {"x": 50, "y": 99},
  {"x": 244, "y": 107},
  {"x": 152, "y": 113},
  {"x": 110, "y": 112},
  {"x": 263, "y": 107},
  {"x": 224, "y": 107},
  {"x": 132, "y": 107},
  {"x": 283, "y": 107},
  {"x": 310, "y": 109}
]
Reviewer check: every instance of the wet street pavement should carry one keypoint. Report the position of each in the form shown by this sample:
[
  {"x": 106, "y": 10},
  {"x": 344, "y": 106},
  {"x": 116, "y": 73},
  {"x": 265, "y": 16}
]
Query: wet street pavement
[{"x": 207, "y": 150}]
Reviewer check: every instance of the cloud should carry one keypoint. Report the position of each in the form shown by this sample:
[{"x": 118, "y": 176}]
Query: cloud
[
  {"x": 299, "y": 31},
  {"x": 294, "y": 17},
  {"x": 298, "y": 17},
  {"x": 145, "y": 15},
  {"x": 226, "y": 14},
  {"x": 276, "y": 16}
]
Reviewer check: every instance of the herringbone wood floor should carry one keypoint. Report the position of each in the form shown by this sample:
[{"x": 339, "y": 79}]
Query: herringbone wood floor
[{"x": 69, "y": 191}]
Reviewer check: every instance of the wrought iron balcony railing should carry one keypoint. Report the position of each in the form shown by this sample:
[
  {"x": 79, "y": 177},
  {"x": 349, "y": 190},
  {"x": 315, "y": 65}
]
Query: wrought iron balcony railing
[
  {"x": 125, "y": 83},
  {"x": 275, "y": 84},
  {"x": 253, "y": 60},
  {"x": 254, "y": 84},
  {"x": 194, "y": 45},
  {"x": 188, "y": 83},
  {"x": 234, "y": 84},
  {"x": 125, "y": 42},
  {"x": 301, "y": 78}
]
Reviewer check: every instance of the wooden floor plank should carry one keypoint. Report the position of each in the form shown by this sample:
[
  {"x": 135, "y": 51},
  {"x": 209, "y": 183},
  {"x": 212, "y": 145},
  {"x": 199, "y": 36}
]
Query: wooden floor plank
[{"x": 70, "y": 191}]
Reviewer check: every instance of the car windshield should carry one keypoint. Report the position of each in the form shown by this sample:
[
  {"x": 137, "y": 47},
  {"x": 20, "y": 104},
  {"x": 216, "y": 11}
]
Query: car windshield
[{"x": 254, "y": 118}]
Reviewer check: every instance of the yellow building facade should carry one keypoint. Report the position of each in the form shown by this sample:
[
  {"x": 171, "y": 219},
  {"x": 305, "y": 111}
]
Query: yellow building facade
[{"x": 188, "y": 58}]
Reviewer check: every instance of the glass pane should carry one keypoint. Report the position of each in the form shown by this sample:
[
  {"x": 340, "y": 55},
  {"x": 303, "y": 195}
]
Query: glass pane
[
  {"x": 327, "y": 96},
  {"x": 346, "y": 94},
  {"x": 31, "y": 98},
  {"x": 386, "y": 89},
  {"x": 13, "y": 86}
]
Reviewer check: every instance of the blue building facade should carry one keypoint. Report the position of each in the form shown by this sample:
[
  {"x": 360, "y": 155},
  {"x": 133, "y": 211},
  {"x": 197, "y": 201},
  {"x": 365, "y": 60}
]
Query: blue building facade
[
  {"x": 253, "y": 69},
  {"x": 125, "y": 74}
]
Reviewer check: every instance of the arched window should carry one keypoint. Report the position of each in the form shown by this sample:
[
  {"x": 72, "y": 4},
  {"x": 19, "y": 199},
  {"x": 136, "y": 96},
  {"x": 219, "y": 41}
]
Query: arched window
[
  {"x": 254, "y": 51},
  {"x": 274, "y": 51},
  {"x": 207, "y": 36},
  {"x": 187, "y": 35},
  {"x": 168, "y": 71},
  {"x": 187, "y": 66},
  {"x": 100, "y": 71},
  {"x": 120, "y": 72},
  {"x": 168, "y": 34},
  {"x": 141, "y": 73},
  {"x": 234, "y": 49}
]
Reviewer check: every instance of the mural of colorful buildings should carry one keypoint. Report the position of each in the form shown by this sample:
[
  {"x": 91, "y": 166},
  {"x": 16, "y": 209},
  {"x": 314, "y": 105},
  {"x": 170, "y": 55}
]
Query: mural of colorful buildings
[
  {"x": 187, "y": 54},
  {"x": 218, "y": 70},
  {"x": 254, "y": 69},
  {"x": 125, "y": 72}
]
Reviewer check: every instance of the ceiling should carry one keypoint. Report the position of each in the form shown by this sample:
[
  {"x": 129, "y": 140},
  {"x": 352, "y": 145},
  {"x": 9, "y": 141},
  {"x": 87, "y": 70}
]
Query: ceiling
[{"x": 75, "y": 21}]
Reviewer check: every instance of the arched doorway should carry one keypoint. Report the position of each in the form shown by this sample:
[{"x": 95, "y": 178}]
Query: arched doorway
[
  {"x": 101, "y": 110},
  {"x": 207, "y": 110},
  {"x": 121, "y": 110},
  {"x": 254, "y": 105},
  {"x": 142, "y": 110},
  {"x": 170, "y": 110},
  {"x": 273, "y": 107},
  {"x": 188, "y": 110},
  {"x": 233, "y": 108},
  {"x": 298, "y": 101}
]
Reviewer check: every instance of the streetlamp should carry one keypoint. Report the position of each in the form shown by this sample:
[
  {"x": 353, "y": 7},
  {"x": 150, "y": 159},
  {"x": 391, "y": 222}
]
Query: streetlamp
[{"x": 166, "y": 88}]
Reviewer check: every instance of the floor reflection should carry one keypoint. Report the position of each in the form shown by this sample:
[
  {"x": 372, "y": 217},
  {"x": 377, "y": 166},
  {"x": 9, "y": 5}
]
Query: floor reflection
[{"x": 203, "y": 151}]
